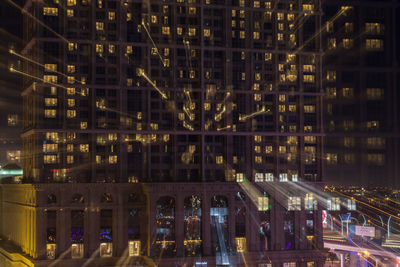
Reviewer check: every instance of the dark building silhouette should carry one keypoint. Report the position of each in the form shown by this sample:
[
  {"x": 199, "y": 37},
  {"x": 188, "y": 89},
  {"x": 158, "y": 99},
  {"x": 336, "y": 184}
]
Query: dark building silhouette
[
  {"x": 169, "y": 133},
  {"x": 361, "y": 80}
]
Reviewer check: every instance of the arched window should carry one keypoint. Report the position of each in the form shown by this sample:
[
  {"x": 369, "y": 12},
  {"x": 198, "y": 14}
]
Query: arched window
[
  {"x": 192, "y": 226},
  {"x": 78, "y": 198},
  {"x": 106, "y": 198},
  {"x": 51, "y": 199},
  {"x": 165, "y": 232},
  {"x": 220, "y": 229}
]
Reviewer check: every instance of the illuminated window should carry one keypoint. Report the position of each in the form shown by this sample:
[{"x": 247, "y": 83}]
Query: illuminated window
[
  {"x": 71, "y": 113},
  {"x": 242, "y": 34},
  {"x": 374, "y": 28},
  {"x": 112, "y": 159},
  {"x": 262, "y": 203},
  {"x": 192, "y": 31},
  {"x": 50, "y": 113},
  {"x": 179, "y": 30},
  {"x": 12, "y": 119},
  {"x": 267, "y": 56},
  {"x": 51, "y": 251},
  {"x": 77, "y": 250},
  {"x": 351, "y": 204},
  {"x": 333, "y": 203},
  {"x": 100, "y": 26},
  {"x": 308, "y": 8},
  {"x": 70, "y": 148},
  {"x": 134, "y": 248},
  {"x": 166, "y": 30},
  {"x": 309, "y": 109},
  {"x": 50, "y": 11},
  {"x": 50, "y": 67},
  {"x": 50, "y": 102},
  {"x": 111, "y": 49},
  {"x": 308, "y": 78},
  {"x": 372, "y": 125},
  {"x": 84, "y": 148},
  {"x": 70, "y": 12},
  {"x": 50, "y": 78},
  {"x": 256, "y": 35},
  {"x": 100, "y": 3},
  {"x": 376, "y": 142},
  {"x": 330, "y": 92},
  {"x": 280, "y": 16},
  {"x": 99, "y": 48},
  {"x": 106, "y": 249},
  {"x": 329, "y": 26},
  {"x": 310, "y": 203},
  {"x": 269, "y": 177},
  {"x": 374, "y": 93},
  {"x": 219, "y": 160},
  {"x": 308, "y": 68},
  {"x": 49, "y": 159},
  {"x": 72, "y": 46},
  {"x": 347, "y": 43},
  {"x": 294, "y": 203},
  {"x": 111, "y": 15},
  {"x": 331, "y": 75},
  {"x": 348, "y": 27},
  {"x": 240, "y": 244},
  {"x": 374, "y": 44},
  {"x": 258, "y": 159},
  {"x": 331, "y": 158},
  {"x": 257, "y": 138},
  {"x": 331, "y": 43},
  {"x": 207, "y": 32},
  {"x": 70, "y": 91},
  {"x": 280, "y": 37},
  {"x": 71, "y": 2},
  {"x": 192, "y": 11},
  {"x": 240, "y": 177},
  {"x": 348, "y": 92},
  {"x": 259, "y": 177},
  {"x": 129, "y": 49},
  {"x": 292, "y": 108},
  {"x": 283, "y": 177}
]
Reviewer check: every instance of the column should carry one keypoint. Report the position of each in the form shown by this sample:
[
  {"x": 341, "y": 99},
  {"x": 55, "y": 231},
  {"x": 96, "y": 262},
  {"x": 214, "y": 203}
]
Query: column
[
  {"x": 152, "y": 223},
  {"x": 92, "y": 232},
  {"x": 205, "y": 218},
  {"x": 179, "y": 227},
  {"x": 120, "y": 222},
  {"x": 232, "y": 221},
  {"x": 341, "y": 260},
  {"x": 63, "y": 227}
]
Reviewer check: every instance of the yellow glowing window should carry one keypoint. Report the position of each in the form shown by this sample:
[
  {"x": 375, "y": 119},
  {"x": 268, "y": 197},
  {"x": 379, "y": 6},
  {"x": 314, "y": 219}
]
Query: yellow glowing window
[
  {"x": 282, "y": 98},
  {"x": 207, "y": 32},
  {"x": 374, "y": 44},
  {"x": 50, "y": 113},
  {"x": 280, "y": 16},
  {"x": 83, "y": 125},
  {"x": 219, "y": 160},
  {"x": 242, "y": 34},
  {"x": 282, "y": 108},
  {"x": 111, "y": 49},
  {"x": 70, "y": 68},
  {"x": 70, "y": 159},
  {"x": 281, "y": 26},
  {"x": 50, "y": 148},
  {"x": 112, "y": 159},
  {"x": 134, "y": 248},
  {"x": 347, "y": 43},
  {"x": 241, "y": 3},
  {"x": 292, "y": 108},
  {"x": 165, "y": 30},
  {"x": 308, "y": 68},
  {"x": 373, "y": 125},
  {"x": 98, "y": 159},
  {"x": 70, "y": 12},
  {"x": 348, "y": 92},
  {"x": 72, "y": 46},
  {"x": 70, "y": 79},
  {"x": 376, "y": 159},
  {"x": 70, "y": 148},
  {"x": 331, "y": 43},
  {"x": 84, "y": 147},
  {"x": 71, "y": 102},
  {"x": 99, "y": 48},
  {"x": 50, "y": 67},
  {"x": 71, "y": 3},
  {"x": 71, "y": 113},
  {"x": 111, "y": 15},
  {"x": 240, "y": 244},
  {"x": 50, "y": 11},
  {"x": 179, "y": 30},
  {"x": 308, "y": 129},
  {"x": 331, "y": 76},
  {"x": 257, "y": 97},
  {"x": 280, "y": 36},
  {"x": 100, "y": 3},
  {"x": 308, "y": 8},
  {"x": 374, "y": 28},
  {"x": 128, "y": 16},
  {"x": 70, "y": 91},
  {"x": 331, "y": 158},
  {"x": 49, "y": 159},
  {"x": 50, "y": 78},
  {"x": 256, "y": 35},
  {"x": 50, "y": 102},
  {"x": 308, "y": 78},
  {"x": 329, "y": 26},
  {"x": 100, "y": 26},
  {"x": 256, "y": 4},
  {"x": 290, "y": 17},
  {"x": 348, "y": 27},
  {"x": 309, "y": 109},
  {"x": 258, "y": 159},
  {"x": 257, "y": 76},
  {"x": 257, "y": 149},
  {"x": 267, "y": 56},
  {"x": 129, "y": 49},
  {"x": 243, "y": 76},
  {"x": 192, "y": 11},
  {"x": 262, "y": 203},
  {"x": 257, "y": 138}
]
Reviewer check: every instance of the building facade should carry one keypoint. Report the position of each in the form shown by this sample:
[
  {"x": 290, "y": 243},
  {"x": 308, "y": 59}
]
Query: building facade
[
  {"x": 361, "y": 70},
  {"x": 214, "y": 107}
]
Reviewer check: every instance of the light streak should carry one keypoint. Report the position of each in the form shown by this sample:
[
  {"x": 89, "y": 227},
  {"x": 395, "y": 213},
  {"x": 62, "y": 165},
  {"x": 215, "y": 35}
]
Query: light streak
[
  {"x": 188, "y": 126},
  {"x": 92, "y": 257},
  {"x": 23, "y": 11},
  {"x": 34, "y": 77},
  {"x": 143, "y": 74},
  {"x": 12, "y": 52},
  {"x": 218, "y": 116},
  {"x": 245, "y": 117},
  {"x": 154, "y": 44},
  {"x": 62, "y": 255},
  {"x": 224, "y": 128}
]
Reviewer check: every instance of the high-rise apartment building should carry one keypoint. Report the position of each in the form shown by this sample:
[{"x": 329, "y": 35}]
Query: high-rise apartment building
[
  {"x": 361, "y": 78},
  {"x": 180, "y": 132}
]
